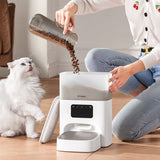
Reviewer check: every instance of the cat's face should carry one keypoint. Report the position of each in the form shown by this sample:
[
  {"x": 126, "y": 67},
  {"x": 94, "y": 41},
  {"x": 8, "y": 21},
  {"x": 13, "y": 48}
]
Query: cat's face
[{"x": 23, "y": 66}]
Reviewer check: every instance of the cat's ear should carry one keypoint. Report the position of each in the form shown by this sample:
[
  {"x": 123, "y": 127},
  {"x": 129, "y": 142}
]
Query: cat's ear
[{"x": 10, "y": 65}]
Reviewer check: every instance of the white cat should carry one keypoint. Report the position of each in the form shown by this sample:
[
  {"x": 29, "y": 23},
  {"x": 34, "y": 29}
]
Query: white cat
[{"x": 20, "y": 95}]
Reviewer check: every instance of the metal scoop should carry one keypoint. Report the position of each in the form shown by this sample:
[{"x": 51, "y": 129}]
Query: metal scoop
[{"x": 51, "y": 30}]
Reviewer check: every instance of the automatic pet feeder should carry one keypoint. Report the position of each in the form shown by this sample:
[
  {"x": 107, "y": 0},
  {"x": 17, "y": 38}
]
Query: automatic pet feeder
[
  {"x": 85, "y": 109},
  {"x": 85, "y": 103}
]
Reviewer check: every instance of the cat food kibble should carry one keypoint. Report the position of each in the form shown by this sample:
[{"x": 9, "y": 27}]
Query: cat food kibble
[{"x": 51, "y": 30}]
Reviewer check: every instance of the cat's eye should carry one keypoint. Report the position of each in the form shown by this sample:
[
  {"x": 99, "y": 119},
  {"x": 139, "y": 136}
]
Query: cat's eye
[{"x": 23, "y": 64}]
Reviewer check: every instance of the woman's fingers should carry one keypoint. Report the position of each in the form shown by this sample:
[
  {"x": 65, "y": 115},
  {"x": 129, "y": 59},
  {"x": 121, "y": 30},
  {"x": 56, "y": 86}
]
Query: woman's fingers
[
  {"x": 115, "y": 86},
  {"x": 65, "y": 20},
  {"x": 66, "y": 15},
  {"x": 66, "y": 24},
  {"x": 120, "y": 76},
  {"x": 57, "y": 16},
  {"x": 72, "y": 21},
  {"x": 62, "y": 18},
  {"x": 114, "y": 77},
  {"x": 114, "y": 71}
]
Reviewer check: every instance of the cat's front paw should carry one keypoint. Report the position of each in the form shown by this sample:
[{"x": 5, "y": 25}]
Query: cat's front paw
[
  {"x": 33, "y": 135},
  {"x": 40, "y": 116},
  {"x": 8, "y": 133}
]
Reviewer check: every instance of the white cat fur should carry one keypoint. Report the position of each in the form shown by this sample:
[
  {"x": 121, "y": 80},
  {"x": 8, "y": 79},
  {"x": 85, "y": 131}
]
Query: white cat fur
[{"x": 20, "y": 95}]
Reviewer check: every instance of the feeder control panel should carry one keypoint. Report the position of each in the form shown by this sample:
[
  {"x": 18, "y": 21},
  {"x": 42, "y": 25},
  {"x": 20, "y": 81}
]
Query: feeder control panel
[{"x": 81, "y": 111}]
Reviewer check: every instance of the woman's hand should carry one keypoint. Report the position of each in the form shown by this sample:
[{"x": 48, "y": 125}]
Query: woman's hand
[
  {"x": 120, "y": 76},
  {"x": 123, "y": 73},
  {"x": 66, "y": 16}
]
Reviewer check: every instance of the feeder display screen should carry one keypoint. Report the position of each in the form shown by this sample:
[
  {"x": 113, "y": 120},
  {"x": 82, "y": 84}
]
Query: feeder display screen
[{"x": 81, "y": 111}]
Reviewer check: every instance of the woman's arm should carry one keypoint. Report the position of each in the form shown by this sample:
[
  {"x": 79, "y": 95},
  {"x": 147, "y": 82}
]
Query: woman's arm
[
  {"x": 123, "y": 73},
  {"x": 92, "y": 6},
  {"x": 152, "y": 58},
  {"x": 66, "y": 15}
]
